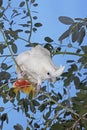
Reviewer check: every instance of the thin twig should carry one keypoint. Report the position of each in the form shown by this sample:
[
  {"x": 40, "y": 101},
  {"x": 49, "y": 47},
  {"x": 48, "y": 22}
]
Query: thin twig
[
  {"x": 10, "y": 50},
  {"x": 29, "y": 14},
  {"x": 7, "y": 55},
  {"x": 71, "y": 53}
]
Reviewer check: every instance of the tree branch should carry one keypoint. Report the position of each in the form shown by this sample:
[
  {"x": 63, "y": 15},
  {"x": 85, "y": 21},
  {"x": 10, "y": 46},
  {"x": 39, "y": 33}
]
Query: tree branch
[{"x": 71, "y": 53}]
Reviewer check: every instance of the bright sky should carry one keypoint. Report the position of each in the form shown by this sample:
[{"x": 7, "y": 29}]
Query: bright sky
[{"x": 48, "y": 13}]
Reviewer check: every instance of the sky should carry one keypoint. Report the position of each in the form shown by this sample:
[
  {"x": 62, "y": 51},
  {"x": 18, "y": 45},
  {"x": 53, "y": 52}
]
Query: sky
[{"x": 48, "y": 13}]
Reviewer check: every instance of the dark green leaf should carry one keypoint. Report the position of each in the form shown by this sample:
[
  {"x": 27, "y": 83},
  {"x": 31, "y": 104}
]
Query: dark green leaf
[
  {"x": 27, "y": 128},
  {"x": 32, "y": 1},
  {"x": 60, "y": 96},
  {"x": 4, "y": 117},
  {"x": 1, "y": 14},
  {"x": 57, "y": 126},
  {"x": 81, "y": 35},
  {"x": 2, "y": 109},
  {"x": 35, "y": 103},
  {"x": 32, "y": 44},
  {"x": 76, "y": 81},
  {"x": 34, "y": 29},
  {"x": 1, "y": 48},
  {"x": 37, "y": 24},
  {"x": 18, "y": 127},
  {"x": 70, "y": 61},
  {"x": 19, "y": 30},
  {"x": 22, "y": 4},
  {"x": 66, "y": 20},
  {"x": 1, "y": 2},
  {"x": 75, "y": 34},
  {"x": 4, "y": 66},
  {"x": 42, "y": 107},
  {"x": 49, "y": 47},
  {"x": 27, "y": 31},
  {"x": 84, "y": 48},
  {"x": 68, "y": 81},
  {"x": 14, "y": 48},
  {"x": 80, "y": 19},
  {"x": 42, "y": 97},
  {"x": 4, "y": 75},
  {"x": 69, "y": 45},
  {"x": 35, "y": 17},
  {"x": 64, "y": 35},
  {"x": 35, "y": 4},
  {"x": 36, "y": 125},
  {"x": 24, "y": 25},
  {"x": 48, "y": 39},
  {"x": 74, "y": 67},
  {"x": 48, "y": 114},
  {"x": 32, "y": 107}
]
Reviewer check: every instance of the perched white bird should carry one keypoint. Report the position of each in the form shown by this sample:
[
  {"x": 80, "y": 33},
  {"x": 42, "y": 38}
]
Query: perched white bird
[{"x": 37, "y": 65}]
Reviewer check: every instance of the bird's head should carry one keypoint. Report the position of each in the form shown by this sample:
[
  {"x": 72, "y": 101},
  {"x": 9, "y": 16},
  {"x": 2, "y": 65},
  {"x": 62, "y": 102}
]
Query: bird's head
[{"x": 53, "y": 73}]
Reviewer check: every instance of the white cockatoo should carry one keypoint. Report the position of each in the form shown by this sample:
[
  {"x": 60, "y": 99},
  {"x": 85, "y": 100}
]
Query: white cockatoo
[{"x": 38, "y": 66}]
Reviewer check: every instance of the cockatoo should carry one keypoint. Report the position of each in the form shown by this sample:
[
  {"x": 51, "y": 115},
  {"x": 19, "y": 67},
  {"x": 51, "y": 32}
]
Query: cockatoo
[{"x": 37, "y": 65}]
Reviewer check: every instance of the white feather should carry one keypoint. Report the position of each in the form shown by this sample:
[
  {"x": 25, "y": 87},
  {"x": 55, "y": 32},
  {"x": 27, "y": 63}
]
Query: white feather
[{"x": 37, "y": 65}]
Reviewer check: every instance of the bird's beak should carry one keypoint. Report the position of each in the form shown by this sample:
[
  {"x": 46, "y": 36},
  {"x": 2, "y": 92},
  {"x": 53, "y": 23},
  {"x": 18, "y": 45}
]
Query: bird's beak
[
  {"x": 57, "y": 73},
  {"x": 60, "y": 71}
]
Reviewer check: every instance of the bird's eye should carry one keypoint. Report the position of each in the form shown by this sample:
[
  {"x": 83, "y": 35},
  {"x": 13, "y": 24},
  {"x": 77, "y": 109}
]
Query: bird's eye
[{"x": 48, "y": 73}]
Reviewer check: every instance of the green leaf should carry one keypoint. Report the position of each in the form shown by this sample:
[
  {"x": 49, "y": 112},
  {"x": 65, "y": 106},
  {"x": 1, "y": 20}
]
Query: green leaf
[
  {"x": 27, "y": 128},
  {"x": 4, "y": 66},
  {"x": 37, "y": 24},
  {"x": 66, "y": 20},
  {"x": 84, "y": 48},
  {"x": 32, "y": 1},
  {"x": 42, "y": 97},
  {"x": 35, "y": 17},
  {"x": 81, "y": 35},
  {"x": 32, "y": 107},
  {"x": 57, "y": 126},
  {"x": 1, "y": 14},
  {"x": 75, "y": 35},
  {"x": 4, "y": 75},
  {"x": 18, "y": 127},
  {"x": 24, "y": 25},
  {"x": 36, "y": 125},
  {"x": 32, "y": 44},
  {"x": 80, "y": 19},
  {"x": 64, "y": 35},
  {"x": 14, "y": 48},
  {"x": 48, "y": 39},
  {"x": 35, "y": 103},
  {"x": 4, "y": 117},
  {"x": 74, "y": 67},
  {"x": 22, "y": 4},
  {"x": 1, "y": 2},
  {"x": 42, "y": 107},
  {"x": 49, "y": 47},
  {"x": 1, "y": 48},
  {"x": 35, "y": 4},
  {"x": 2, "y": 109},
  {"x": 76, "y": 81},
  {"x": 70, "y": 61}
]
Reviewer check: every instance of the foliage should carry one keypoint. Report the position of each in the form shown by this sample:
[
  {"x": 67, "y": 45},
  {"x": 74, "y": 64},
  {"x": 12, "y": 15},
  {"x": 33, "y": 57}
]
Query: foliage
[{"x": 56, "y": 112}]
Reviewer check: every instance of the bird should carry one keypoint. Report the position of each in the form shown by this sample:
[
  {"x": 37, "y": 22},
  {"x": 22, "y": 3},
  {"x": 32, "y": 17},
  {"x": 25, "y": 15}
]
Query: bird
[{"x": 37, "y": 66}]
